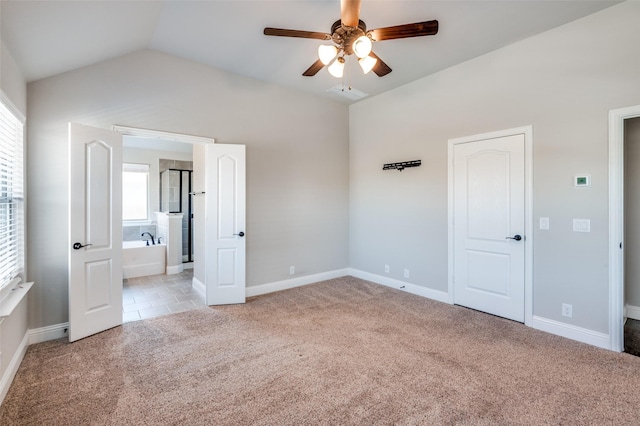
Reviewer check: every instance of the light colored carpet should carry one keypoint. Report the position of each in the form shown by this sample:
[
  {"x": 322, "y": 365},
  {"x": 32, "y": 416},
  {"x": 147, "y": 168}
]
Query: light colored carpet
[{"x": 339, "y": 352}]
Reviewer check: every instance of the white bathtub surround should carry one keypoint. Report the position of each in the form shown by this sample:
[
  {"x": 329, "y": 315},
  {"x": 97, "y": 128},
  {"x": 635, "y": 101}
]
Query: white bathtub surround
[
  {"x": 139, "y": 260},
  {"x": 170, "y": 229}
]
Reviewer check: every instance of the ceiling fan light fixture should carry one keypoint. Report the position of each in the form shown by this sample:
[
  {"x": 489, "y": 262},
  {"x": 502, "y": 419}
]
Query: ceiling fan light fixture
[
  {"x": 326, "y": 53},
  {"x": 367, "y": 63},
  {"x": 336, "y": 69},
  {"x": 362, "y": 46}
]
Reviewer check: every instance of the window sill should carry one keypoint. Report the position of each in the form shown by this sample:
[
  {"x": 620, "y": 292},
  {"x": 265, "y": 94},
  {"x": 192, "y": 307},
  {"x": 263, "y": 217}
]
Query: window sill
[{"x": 13, "y": 298}]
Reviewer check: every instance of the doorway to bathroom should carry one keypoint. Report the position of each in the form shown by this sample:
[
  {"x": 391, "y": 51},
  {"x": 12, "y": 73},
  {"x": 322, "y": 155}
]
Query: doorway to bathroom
[
  {"x": 95, "y": 223},
  {"x": 168, "y": 224}
]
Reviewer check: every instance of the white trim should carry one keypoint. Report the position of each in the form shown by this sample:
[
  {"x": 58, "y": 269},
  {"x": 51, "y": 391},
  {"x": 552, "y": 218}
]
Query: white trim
[
  {"x": 51, "y": 332},
  {"x": 260, "y": 289},
  {"x": 12, "y": 367},
  {"x": 527, "y": 131},
  {"x": 158, "y": 134},
  {"x": 616, "y": 223},
  {"x": 199, "y": 286},
  {"x": 572, "y": 332},
  {"x": 632, "y": 312},
  {"x": 11, "y": 295},
  {"x": 175, "y": 269},
  {"x": 429, "y": 293}
]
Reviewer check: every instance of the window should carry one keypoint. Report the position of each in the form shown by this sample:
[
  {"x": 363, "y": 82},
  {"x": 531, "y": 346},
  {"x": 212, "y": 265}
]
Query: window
[
  {"x": 11, "y": 197},
  {"x": 135, "y": 191}
]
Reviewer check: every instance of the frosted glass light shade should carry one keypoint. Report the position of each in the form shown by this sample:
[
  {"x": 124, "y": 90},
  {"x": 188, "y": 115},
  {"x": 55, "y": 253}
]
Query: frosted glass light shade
[
  {"x": 336, "y": 69},
  {"x": 362, "y": 46},
  {"x": 326, "y": 53},
  {"x": 367, "y": 63}
]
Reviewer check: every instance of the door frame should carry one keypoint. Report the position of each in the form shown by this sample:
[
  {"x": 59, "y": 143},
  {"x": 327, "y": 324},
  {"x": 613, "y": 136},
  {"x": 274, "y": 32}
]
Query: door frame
[
  {"x": 616, "y": 224},
  {"x": 527, "y": 131},
  {"x": 158, "y": 134}
]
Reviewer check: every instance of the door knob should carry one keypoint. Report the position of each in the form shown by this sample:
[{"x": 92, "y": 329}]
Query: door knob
[
  {"x": 78, "y": 246},
  {"x": 240, "y": 234},
  {"x": 515, "y": 237}
]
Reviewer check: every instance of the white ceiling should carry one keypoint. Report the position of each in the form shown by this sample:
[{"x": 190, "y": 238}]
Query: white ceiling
[{"x": 51, "y": 37}]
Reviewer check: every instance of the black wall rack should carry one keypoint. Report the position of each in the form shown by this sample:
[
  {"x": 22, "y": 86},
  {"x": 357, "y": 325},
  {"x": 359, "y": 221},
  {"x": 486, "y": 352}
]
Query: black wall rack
[{"x": 401, "y": 166}]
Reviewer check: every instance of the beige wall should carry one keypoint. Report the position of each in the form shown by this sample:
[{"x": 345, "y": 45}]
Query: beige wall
[
  {"x": 632, "y": 211},
  {"x": 562, "y": 82},
  {"x": 297, "y": 166},
  {"x": 12, "y": 81}
]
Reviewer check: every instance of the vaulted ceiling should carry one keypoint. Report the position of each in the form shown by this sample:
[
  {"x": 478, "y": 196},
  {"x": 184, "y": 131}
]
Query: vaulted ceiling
[{"x": 51, "y": 37}]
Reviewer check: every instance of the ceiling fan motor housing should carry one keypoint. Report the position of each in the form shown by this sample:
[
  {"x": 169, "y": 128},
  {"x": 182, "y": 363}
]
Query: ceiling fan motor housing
[{"x": 344, "y": 36}]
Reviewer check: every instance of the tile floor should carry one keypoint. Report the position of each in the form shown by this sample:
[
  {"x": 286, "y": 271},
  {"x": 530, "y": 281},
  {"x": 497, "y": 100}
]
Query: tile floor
[{"x": 155, "y": 295}]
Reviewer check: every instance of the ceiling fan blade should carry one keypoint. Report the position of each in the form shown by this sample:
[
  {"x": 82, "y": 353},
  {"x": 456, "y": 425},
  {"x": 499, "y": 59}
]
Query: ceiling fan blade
[
  {"x": 380, "y": 68},
  {"x": 296, "y": 33},
  {"x": 350, "y": 12},
  {"x": 404, "y": 31},
  {"x": 313, "y": 69}
]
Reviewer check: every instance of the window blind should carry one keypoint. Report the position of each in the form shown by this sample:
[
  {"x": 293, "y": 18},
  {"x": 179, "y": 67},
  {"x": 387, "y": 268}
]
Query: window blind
[{"x": 11, "y": 197}]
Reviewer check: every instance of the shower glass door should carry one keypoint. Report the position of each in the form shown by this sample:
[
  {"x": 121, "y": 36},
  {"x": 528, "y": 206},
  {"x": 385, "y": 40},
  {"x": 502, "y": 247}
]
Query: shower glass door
[{"x": 175, "y": 197}]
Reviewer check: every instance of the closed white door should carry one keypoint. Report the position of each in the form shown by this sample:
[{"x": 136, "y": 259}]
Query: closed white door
[
  {"x": 489, "y": 225},
  {"x": 95, "y": 230},
  {"x": 225, "y": 224}
]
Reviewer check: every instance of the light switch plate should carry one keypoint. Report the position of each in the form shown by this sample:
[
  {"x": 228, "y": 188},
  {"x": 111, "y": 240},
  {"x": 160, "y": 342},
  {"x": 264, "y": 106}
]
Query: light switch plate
[
  {"x": 581, "y": 225},
  {"x": 544, "y": 223}
]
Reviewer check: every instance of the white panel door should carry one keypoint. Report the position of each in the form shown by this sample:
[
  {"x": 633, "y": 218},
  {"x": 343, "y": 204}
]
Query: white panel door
[
  {"x": 489, "y": 224},
  {"x": 95, "y": 230},
  {"x": 225, "y": 224}
]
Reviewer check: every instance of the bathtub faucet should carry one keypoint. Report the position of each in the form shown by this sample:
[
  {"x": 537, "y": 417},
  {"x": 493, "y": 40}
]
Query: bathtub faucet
[{"x": 151, "y": 236}]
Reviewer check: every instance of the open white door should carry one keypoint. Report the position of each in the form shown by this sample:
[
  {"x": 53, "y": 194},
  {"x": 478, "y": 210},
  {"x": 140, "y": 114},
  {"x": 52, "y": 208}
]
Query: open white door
[
  {"x": 95, "y": 230},
  {"x": 225, "y": 224}
]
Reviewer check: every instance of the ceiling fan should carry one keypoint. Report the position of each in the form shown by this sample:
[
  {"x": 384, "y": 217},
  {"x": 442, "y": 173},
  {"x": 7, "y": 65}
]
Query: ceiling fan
[{"x": 350, "y": 36}]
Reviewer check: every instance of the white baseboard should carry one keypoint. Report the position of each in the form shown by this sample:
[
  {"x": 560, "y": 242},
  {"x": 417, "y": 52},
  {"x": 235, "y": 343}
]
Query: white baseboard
[
  {"x": 429, "y": 293},
  {"x": 573, "y": 332},
  {"x": 175, "y": 269},
  {"x": 257, "y": 290},
  {"x": 199, "y": 286},
  {"x": 50, "y": 332},
  {"x": 632, "y": 312},
  {"x": 12, "y": 367}
]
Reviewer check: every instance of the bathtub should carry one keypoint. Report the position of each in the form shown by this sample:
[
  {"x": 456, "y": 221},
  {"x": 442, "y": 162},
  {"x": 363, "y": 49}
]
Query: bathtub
[{"x": 139, "y": 260}]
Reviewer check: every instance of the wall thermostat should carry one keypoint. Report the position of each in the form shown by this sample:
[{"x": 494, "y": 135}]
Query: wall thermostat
[{"x": 582, "y": 180}]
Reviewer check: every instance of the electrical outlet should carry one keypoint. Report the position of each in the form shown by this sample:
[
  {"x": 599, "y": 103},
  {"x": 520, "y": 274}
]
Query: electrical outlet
[
  {"x": 386, "y": 268},
  {"x": 406, "y": 273},
  {"x": 567, "y": 310},
  {"x": 292, "y": 270}
]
